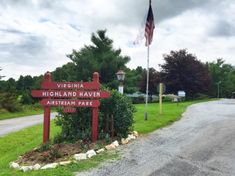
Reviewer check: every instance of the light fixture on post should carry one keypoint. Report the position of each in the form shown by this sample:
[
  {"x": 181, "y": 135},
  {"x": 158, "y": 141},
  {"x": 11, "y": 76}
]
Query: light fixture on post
[{"x": 121, "y": 76}]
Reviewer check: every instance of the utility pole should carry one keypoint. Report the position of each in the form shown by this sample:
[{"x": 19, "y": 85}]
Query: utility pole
[{"x": 218, "y": 89}]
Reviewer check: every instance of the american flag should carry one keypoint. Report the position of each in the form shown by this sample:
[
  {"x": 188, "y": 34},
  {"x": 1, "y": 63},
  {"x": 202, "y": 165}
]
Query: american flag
[{"x": 149, "y": 26}]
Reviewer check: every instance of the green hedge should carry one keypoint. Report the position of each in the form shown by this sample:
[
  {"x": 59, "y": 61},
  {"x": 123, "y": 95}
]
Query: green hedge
[{"x": 78, "y": 126}]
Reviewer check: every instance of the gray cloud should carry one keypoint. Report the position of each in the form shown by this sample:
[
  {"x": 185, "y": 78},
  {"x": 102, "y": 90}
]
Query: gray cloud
[
  {"x": 25, "y": 51},
  {"x": 222, "y": 28},
  {"x": 129, "y": 12},
  {"x": 13, "y": 31}
]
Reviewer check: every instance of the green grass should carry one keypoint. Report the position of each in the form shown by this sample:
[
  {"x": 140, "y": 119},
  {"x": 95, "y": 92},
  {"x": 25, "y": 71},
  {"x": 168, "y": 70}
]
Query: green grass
[
  {"x": 26, "y": 111},
  {"x": 171, "y": 113},
  {"x": 16, "y": 144}
]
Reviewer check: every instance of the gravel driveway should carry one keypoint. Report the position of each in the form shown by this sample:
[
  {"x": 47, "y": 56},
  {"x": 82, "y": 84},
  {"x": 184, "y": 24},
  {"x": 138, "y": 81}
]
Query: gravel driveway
[
  {"x": 202, "y": 143},
  {"x": 16, "y": 124}
]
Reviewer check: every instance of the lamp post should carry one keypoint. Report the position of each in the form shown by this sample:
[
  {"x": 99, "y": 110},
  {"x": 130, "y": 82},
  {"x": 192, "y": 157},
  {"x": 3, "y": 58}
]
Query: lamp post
[
  {"x": 121, "y": 76},
  {"x": 218, "y": 89}
]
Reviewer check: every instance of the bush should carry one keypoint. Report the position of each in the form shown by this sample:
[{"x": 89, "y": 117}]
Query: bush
[
  {"x": 120, "y": 107},
  {"x": 200, "y": 96},
  {"x": 8, "y": 101},
  {"x": 78, "y": 126},
  {"x": 26, "y": 98}
]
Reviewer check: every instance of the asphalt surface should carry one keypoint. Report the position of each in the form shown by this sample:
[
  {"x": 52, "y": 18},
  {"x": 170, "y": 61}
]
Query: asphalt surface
[
  {"x": 202, "y": 143},
  {"x": 16, "y": 124}
]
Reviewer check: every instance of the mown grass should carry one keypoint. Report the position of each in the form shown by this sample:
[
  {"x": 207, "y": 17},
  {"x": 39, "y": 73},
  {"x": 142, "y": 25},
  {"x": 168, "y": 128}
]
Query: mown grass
[
  {"x": 16, "y": 144},
  {"x": 27, "y": 110},
  {"x": 171, "y": 113}
]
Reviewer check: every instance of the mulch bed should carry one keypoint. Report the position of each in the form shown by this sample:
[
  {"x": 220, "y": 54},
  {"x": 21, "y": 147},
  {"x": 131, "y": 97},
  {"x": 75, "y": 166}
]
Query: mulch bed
[{"x": 53, "y": 153}]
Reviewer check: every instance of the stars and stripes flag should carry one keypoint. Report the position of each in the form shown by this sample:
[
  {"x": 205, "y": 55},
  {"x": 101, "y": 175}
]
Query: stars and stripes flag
[{"x": 149, "y": 26}]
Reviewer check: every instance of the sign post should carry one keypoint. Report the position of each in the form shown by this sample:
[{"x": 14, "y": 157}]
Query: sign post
[
  {"x": 88, "y": 92},
  {"x": 47, "y": 111},
  {"x": 160, "y": 97},
  {"x": 95, "y": 112}
]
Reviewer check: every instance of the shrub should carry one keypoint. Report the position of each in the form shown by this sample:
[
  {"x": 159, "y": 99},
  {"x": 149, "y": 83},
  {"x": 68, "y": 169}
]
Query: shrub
[
  {"x": 120, "y": 107},
  {"x": 78, "y": 126},
  {"x": 8, "y": 101},
  {"x": 26, "y": 98},
  {"x": 200, "y": 96}
]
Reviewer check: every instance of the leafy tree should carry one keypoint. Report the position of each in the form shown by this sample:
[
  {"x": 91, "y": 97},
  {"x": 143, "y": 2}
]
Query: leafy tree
[
  {"x": 65, "y": 73},
  {"x": 154, "y": 80},
  {"x": 182, "y": 71},
  {"x": 132, "y": 79},
  {"x": 224, "y": 75},
  {"x": 100, "y": 56}
]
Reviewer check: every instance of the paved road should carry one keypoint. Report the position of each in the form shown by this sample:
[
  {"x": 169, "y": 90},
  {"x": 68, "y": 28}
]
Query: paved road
[
  {"x": 202, "y": 143},
  {"x": 16, "y": 124}
]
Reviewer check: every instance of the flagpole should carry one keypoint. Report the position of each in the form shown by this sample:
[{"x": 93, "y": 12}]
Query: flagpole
[{"x": 147, "y": 87}]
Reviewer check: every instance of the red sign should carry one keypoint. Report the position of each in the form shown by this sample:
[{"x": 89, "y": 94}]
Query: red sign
[
  {"x": 73, "y": 103},
  {"x": 69, "y": 110},
  {"x": 70, "y": 94},
  {"x": 71, "y": 85},
  {"x": 74, "y": 90}
]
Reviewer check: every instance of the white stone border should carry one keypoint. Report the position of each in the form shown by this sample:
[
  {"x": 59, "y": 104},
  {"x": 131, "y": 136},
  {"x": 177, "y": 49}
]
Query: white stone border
[{"x": 76, "y": 157}]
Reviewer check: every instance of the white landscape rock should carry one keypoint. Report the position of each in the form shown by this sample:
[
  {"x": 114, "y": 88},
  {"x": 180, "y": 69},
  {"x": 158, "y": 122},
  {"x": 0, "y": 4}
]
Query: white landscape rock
[
  {"x": 26, "y": 168},
  {"x": 49, "y": 166},
  {"x": 124, "y": 141},
  {"x": 131, "y": 137},
  {"x": 110, "y": 147},
  {"x": 90, "y": 153},
  {"x": 36, "y": 167},
  {"x": 14, "y": 165},
  {"x": 100, "y": 150},
  {"x": 63, "y": 163},
  {"x": 115, "y": 143},
  {"x": 80, "y": 156},
  {"x": 135, "y": 133}
]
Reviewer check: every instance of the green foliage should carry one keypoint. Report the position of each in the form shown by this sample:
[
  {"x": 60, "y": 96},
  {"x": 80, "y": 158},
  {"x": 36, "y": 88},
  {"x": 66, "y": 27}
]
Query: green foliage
[
  {"x": 74, "y": 126},
  {"x": 8, "y": 101},
  {"x": 183, "y": 71},
  {"x": 65, "y": 73},
  {"x": 154, "y": 80},
  {"x": 44, "y": 147},
  {"x": 100, "y": 57},
  {"x": 26, "y": 98},
  {"x": 78, "y": 126},
  {"x": 122, "y": 110},
  {"x": 132, "y": 79},
  {"x": 222, "y": 77},
  {"x": 200, "y": 96}
]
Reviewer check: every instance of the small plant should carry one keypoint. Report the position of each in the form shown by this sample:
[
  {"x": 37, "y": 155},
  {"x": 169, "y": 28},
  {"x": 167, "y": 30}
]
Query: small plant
[
  {"x": 44, "y": 147},
  {"x": 118, "y": 109},
  {"x": 54, "y": 154}
]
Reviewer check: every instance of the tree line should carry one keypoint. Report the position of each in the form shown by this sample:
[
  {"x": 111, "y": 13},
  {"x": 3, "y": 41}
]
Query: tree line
[{"x": 180, "y": 71}]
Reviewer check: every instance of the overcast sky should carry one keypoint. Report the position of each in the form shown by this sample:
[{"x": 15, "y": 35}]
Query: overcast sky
[{"x": 36, "y": 35}]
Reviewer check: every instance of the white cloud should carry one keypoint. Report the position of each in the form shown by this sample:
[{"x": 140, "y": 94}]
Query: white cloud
[{"x": 36, "y": 35}]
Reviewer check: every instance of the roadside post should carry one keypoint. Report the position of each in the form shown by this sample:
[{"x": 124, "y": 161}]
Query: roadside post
[
  {"x": 70, "y": 95},
  {"x": 47, "y": 112},
  {"x": 160, "y": 97}
]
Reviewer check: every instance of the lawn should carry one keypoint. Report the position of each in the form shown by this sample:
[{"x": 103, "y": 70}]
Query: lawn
[
  {"x": 26, "y": 111},
  {"x": 15, "y": 144},
  {"x": 171, "y": 113}
]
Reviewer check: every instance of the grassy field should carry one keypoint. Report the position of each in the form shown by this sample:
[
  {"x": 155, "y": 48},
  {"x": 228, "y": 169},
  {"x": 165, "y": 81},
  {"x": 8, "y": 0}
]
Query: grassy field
[
  {"x": 171, "y": 113},
  {"x": 26, "y": 111},
  {"x": 16, "y": 144}
]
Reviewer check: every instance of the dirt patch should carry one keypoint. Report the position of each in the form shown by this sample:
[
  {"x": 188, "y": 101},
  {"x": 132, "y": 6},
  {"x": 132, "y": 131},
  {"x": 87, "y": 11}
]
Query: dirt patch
[{"x": 53, "y": 153}]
